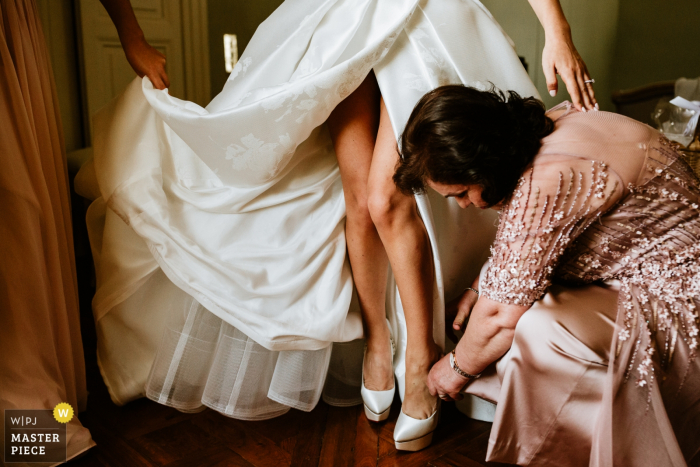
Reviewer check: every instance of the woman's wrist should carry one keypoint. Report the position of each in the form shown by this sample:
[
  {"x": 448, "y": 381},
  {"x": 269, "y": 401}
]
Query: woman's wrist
[
  {"x": 464, "y": 359},
  {"x": 560, "y": 31},
  {"x": 131, "y": 37},
  {"x": 124, "y": 19},
  {"x": 552, "y": 18},
  {"x": 457, "y": 369}
]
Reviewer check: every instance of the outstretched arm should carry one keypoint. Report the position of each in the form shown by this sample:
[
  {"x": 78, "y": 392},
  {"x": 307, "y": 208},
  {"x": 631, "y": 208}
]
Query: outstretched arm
[
  {"x": 144, "y": 59},
  {"x": 561, "y": 57},
  {"x": 488, "y": 336},
  {"x": 555, "y": 201}
]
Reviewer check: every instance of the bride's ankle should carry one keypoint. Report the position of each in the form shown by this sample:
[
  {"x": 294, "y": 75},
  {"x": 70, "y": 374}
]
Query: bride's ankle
[
  {"x": 418, "y": 403},
  {"x": 377, "y": 335},
  {"x": 421, "y": 361},
  {"x": 378, "y": 344},
  {"x": 378, "y": 372}
]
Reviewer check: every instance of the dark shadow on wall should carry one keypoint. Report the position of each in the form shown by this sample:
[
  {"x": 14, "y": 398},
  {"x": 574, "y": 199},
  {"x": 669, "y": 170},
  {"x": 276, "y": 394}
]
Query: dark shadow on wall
[
  {"x": 657, "y": 40},
  {"x": 240, "y": 17}
]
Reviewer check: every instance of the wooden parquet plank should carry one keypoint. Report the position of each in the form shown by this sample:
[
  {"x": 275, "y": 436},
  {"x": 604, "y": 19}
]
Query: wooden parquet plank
[
  {"x": 112, "y": 451},
  {"x": 476, "y": 449},
  {"x": 424, "y": 457},
  {"x": 454, "y": 459},
  {"x": 174, "y": 443},
  {"x": 281, "y": 428},
  {"x": 87, "y": 459},
  {"x": 236, "y": 435},
  {"x": 366, "y": 441},
  {"x": 145, "y": 416},
  {"x": 289, "y": 444},
  {"x": 337, "y": 449},
  {"x": 218, "y": 456},
  {"x": 307, "y": 450},
  {"x": 386, "y": 432},
  {"x": 386, "y": 447}
]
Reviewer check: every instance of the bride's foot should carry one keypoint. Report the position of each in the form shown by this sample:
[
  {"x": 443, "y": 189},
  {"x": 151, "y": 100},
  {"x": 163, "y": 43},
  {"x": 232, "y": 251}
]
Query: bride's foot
[
  {"x": 417, "y": 402},
  {"x": 378, "y": 376},
  {"x": 377, "y": 370},
  {"x": 419, "y": 413}
]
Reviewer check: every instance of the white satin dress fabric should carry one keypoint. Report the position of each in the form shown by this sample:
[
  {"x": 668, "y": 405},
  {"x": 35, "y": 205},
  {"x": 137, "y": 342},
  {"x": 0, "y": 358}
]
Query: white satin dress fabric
[{"x": 218, "y": 235}]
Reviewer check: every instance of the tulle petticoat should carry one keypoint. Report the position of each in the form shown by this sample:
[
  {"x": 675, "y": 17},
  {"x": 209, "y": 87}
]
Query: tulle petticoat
[
  {"x": 206, "y": 362},
  {"x": 240, "y": 207}
]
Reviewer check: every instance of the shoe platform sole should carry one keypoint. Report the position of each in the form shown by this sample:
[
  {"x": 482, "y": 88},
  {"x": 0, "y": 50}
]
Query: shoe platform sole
[
  {"x": 415, "y": 444},
  {"x": 376, "y": 417}
]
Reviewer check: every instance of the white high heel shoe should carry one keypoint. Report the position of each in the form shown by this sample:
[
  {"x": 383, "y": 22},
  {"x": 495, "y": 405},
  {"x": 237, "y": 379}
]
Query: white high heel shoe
[
  {"x": 377, "y": 403},
  {"x": 411, "y": 434}
]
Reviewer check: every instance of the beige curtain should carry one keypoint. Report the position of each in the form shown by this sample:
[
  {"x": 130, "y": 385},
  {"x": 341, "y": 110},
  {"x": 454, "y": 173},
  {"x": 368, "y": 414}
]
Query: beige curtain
[{"x": 41, "y": 354}]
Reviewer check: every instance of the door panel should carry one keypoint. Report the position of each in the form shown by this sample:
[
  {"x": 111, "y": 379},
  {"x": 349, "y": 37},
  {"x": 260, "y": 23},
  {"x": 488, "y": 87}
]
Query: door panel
[{"x": 106, "y": 70}]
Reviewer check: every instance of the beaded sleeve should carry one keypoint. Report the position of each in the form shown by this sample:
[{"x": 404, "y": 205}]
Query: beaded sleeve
[{"x": 553, "y": 203}]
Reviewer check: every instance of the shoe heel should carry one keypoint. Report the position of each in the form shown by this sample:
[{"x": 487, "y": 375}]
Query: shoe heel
[
  {"x": 415, "y": 444},
  {"x": 379, "y": 401},
  {"x": 376, "y": 417}
]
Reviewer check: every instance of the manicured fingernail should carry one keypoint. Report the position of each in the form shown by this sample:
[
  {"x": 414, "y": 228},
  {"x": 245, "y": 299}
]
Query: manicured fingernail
[
  {"x": 552, "y": 93},
  {"x": 584, "y": 109},
  {"x": 596, "y": 107}
]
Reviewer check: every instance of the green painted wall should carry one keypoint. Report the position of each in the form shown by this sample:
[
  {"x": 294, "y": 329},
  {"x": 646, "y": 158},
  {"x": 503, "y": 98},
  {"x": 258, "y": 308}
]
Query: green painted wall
[
  {"x": 594, "y": 24},
  {"x": 657, "y": 40},
  {"x": 626, "y": 43},
  {"x": 594, "y": 29},
  {"x": 240, "y": 17},
  {"x": 58, "y": 23}
]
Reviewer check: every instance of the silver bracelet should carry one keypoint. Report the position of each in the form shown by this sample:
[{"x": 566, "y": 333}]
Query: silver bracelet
[
  {"x": 472, "y": 289},
  {"x": 458, "y": 370}
]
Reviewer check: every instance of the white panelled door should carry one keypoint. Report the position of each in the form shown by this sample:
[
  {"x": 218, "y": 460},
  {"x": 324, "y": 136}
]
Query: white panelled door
[{"x": 181, "y": 39}]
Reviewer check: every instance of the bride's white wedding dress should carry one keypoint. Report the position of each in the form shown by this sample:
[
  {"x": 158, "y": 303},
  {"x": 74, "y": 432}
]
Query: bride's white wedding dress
[{"x": 218, "y": 238}]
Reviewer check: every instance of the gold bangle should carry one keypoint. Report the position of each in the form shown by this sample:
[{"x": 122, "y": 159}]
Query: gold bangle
[{"x": 457, "y": 369}]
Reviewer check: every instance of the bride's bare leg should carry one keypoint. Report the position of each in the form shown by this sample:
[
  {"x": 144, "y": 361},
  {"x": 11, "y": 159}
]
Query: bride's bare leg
[
  {"x": 353, "y": 126},
  {"x": 406, "y": 242}
]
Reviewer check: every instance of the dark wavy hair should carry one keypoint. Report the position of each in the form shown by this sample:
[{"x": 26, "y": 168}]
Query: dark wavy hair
[{"x": 461, "y": 135}]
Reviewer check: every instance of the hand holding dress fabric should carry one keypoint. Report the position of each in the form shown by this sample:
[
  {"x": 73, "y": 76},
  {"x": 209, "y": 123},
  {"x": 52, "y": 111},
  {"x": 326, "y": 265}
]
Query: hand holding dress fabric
[
  {"x": 146, "y": 61},
  {"x": 219, "y": 197},
  {"x": 143, "y": 58}
]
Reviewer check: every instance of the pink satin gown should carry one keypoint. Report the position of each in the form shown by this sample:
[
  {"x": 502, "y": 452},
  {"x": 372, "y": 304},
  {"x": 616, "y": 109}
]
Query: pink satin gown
[
  {"x": 601, "y": 237},
  {"x": 41, "y": 352}
]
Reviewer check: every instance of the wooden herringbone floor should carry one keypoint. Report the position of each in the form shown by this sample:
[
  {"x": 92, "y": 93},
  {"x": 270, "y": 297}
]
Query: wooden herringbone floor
[{"x": 144, "y": 433}]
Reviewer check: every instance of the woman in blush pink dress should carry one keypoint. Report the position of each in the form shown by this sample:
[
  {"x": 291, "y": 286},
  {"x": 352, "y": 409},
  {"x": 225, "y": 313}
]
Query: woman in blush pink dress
[
  {"x": 41, "y": 351},
  {"x": 585, "y": 323}
]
